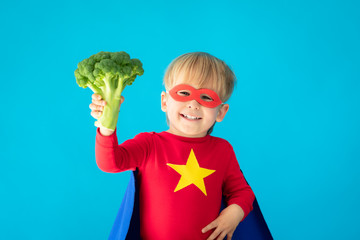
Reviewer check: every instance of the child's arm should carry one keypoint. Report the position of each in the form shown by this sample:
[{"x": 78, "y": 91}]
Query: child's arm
[
  {"x": 97, "y": 107},
  {"x": 112, "y": 157},
  {"x": 238, "y": 196},
  {"x": 226, "y": 223}
]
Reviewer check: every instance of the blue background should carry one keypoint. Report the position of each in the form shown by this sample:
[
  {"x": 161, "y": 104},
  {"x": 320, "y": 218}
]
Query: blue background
[{"x": 293, "y": 119}]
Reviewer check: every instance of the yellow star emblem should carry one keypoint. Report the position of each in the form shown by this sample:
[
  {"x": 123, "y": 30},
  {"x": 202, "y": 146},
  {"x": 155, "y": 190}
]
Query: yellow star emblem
[{"x": 191, "y": 173}]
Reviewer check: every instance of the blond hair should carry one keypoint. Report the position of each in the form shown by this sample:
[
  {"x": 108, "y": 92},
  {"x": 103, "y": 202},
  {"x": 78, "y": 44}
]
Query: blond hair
[{"x": 204, "y": 69}]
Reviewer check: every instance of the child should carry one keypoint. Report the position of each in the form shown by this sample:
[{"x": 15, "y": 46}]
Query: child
[{"x": 183, "y": 172}]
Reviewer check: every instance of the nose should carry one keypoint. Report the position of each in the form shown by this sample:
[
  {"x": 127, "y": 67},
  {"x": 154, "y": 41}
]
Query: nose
[{"x": 193, "y": 104}]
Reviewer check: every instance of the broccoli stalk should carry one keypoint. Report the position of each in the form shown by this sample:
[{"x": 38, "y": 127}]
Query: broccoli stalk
[{"x": 108, "y": 73}]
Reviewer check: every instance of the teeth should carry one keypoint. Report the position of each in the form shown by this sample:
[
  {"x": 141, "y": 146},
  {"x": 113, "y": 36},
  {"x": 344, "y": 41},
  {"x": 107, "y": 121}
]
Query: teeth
[{"x": 190, "y": 117}]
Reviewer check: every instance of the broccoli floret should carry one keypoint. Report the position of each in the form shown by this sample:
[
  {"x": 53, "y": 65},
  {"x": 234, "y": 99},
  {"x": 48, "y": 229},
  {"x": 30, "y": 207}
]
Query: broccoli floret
[{"x": 108, "y": 73}]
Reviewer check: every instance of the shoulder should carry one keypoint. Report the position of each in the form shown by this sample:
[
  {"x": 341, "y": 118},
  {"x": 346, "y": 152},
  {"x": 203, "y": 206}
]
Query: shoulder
[
  {"x": 151, "y": 137},
  {"x": 224, "y": 146},
  {"x": 140, "y": 138},
  {"x": 144, "y": 136},
  {"x": 221, "y": 141}
]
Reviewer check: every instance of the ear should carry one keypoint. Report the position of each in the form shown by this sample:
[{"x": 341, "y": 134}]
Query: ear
[
  {"x": 222, "y": 112},
  {"x": 163, "y": 101}
]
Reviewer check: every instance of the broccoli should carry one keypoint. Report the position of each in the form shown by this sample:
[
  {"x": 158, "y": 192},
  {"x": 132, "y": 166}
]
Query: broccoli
[{"x": 108, "y": 73}]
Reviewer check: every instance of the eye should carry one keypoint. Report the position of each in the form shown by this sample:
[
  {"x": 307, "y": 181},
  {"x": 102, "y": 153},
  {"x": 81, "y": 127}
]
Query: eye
[
  {"x": 183, "y": 93},
  {"x": 206, "y": 98}
]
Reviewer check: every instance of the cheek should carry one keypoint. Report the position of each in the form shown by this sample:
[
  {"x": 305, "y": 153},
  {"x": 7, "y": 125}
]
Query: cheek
[
  {"x": 172, "y": 108},
  {"x": 174, "y": 105},
  {"x": 212, "y": 113}
]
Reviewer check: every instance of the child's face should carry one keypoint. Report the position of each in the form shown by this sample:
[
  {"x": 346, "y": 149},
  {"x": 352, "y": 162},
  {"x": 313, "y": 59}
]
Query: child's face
[{"x": 190, "y": 118}]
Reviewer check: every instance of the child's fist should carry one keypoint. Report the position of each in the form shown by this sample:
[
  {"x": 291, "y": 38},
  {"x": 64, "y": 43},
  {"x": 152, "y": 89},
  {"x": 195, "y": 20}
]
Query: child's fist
[{"x": 97, "y": 106}]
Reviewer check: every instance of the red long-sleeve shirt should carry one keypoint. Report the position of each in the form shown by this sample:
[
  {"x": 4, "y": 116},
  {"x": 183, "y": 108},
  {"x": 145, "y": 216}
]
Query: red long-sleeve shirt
[{"x": 182, "y": 180}]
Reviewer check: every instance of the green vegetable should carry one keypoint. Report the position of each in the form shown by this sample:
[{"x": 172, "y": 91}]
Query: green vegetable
[{"x": 108, "y": 73}]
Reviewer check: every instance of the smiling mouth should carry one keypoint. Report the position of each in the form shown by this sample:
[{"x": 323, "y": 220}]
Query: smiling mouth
[{"x": 190, "y": 117}]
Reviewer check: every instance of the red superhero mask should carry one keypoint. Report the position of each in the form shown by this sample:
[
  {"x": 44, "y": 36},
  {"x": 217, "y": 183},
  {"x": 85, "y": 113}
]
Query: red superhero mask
[{"x": 206, "y": 97}]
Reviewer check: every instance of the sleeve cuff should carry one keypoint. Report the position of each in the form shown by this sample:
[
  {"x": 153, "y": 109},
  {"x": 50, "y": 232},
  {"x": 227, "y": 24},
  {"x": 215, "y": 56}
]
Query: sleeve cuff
[
  {"x": 106, "y": 141},
  {"x": 245, "y": 207}
]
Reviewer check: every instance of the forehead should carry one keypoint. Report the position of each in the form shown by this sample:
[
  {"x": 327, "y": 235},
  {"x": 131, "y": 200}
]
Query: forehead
[{"x": 195, "y": 81}]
